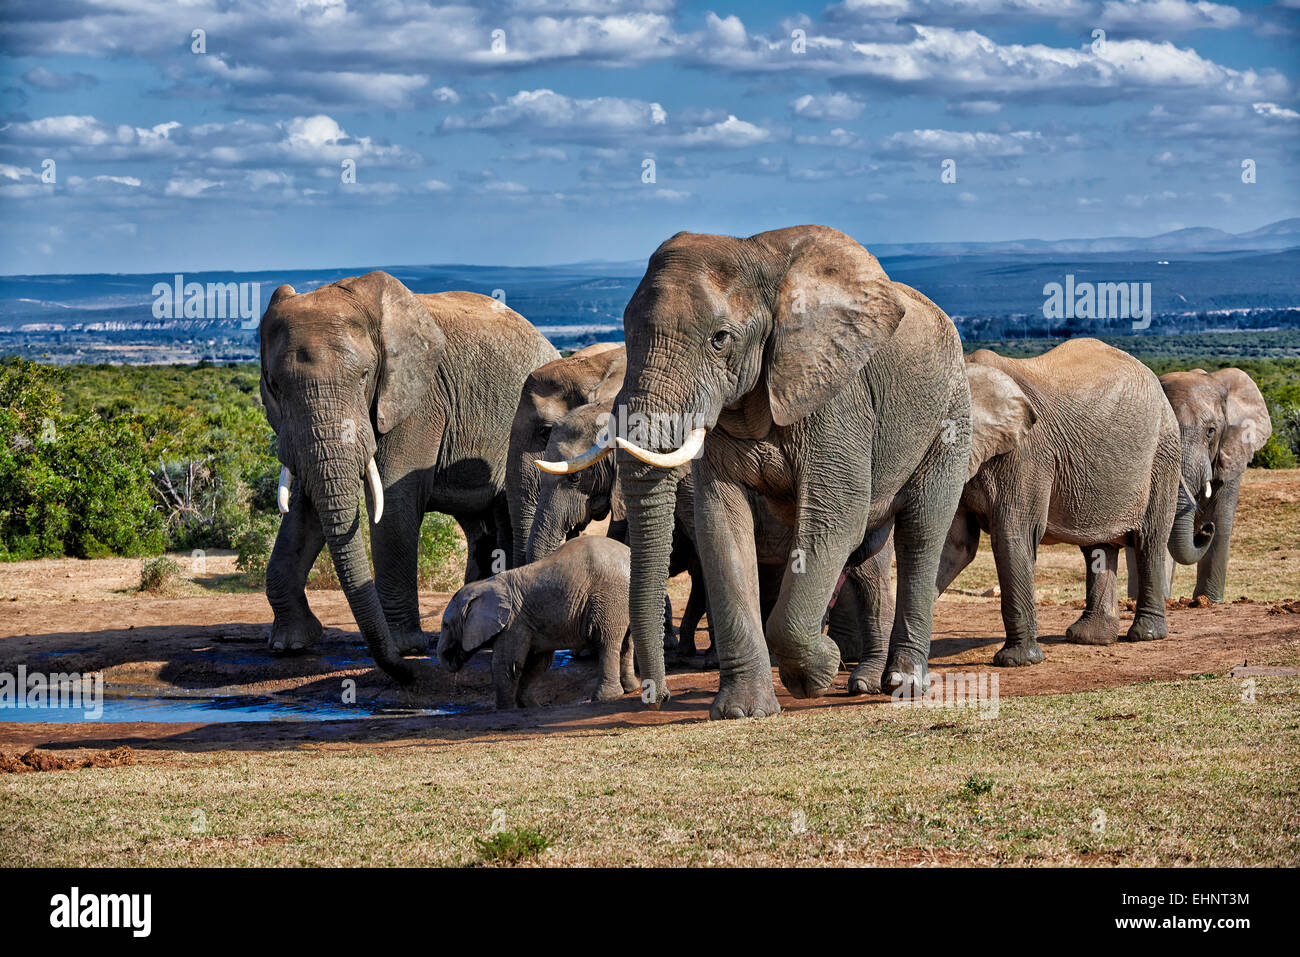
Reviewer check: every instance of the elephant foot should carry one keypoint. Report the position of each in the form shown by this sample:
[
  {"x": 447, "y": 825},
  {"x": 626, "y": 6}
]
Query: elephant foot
[
  {"x": 1018, "y": 654},
  {"x": 1093, "y": 629},
  {"x": 288, "y": 637},
  {"x": 612, "y": 690},
  {"x": 630, "y": 684},
  {"x": 409, "y": 641},
  {"x": 867, "y": 677},
  {"x": 907, "y": 675},
  {"x": 1147, "y": 628},
  {"x": 745, "y": 695},
  {"x": 811, "y": 675}
]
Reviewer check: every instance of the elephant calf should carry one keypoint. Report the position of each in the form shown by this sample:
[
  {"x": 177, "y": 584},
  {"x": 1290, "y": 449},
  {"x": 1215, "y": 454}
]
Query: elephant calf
[{"x": 573, "y": 598}]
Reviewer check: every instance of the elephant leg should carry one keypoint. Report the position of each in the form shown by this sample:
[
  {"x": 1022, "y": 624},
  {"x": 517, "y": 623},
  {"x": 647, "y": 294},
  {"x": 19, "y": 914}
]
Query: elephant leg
[
  {"x": 1130, "y": 562},
  {"x": 509, "y": 661},
  {"x": 1150, "y": 543},
  {"x": 627, "y": 664},
  {"x": 1212, "y": 569},
  {"x": 875, "y": 609},
  {"x": 1099, "y": 623},
  {"x": 297, "y": 544},
  {"x": 920, "y": 529},
  {"x": 725, "y": 541},
  {"x": 611, "y": 684},
  {"x": 535, "y": 665},
  {"x": 807, "y": 659},
  {"x": 959, "y": 548},
  {"x": 395, "y": 548},
  {"x": 693, "y": 612},
  {"x": 480, "y": 547},
  {"x": 670, "y": 634},
  {"x": 1015, "y": 552}
]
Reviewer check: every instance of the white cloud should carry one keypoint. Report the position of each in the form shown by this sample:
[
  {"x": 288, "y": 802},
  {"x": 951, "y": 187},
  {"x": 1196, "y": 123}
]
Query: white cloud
[
  {"x": 829, "y": 106},
  {"x": 545, "y": 111}
]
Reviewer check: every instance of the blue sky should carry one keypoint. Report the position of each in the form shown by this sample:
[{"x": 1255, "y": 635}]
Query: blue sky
[{"x": 533, "y": 151}]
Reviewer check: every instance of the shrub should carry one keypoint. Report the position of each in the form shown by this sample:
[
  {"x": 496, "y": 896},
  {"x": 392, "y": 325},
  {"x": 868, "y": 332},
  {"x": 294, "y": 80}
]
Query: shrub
[
  {"x": 512, "y": 846},
  {"x": 1274, "y": 455},
  {"x": 254, "y": 545},
  {"x": 442, "y": 553},
  {"x": 160, "y": 576}
]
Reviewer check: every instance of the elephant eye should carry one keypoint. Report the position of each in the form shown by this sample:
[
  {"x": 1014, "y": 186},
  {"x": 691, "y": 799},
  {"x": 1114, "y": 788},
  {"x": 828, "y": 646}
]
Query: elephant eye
[
  {"x": 1209, "y": 433},
  {"x": 720, "y": 339},
  {"x": 544, "y": 433}
]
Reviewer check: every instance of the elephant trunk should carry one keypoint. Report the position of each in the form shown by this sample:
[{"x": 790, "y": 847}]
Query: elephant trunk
[
  {"x": 549, "y": 532},
  {"x": 650, "y": 495},
  {"x": 521, "y": 496},
  {"x": 1190, "y": 537},
  {"x": 334, "y": 484}
]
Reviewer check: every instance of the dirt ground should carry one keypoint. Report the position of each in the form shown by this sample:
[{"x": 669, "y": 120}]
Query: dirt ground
[
  {"x": 215, "y": 643},
  {"x": 209, "y": 639}
]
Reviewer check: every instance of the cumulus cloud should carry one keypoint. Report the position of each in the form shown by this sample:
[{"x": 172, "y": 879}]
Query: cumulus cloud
[{"x": 43, "y": 79}]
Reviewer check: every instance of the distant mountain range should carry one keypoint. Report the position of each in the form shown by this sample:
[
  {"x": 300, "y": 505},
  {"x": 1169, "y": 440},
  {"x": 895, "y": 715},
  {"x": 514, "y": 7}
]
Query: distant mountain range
[{"x": 1283, "y": 234}]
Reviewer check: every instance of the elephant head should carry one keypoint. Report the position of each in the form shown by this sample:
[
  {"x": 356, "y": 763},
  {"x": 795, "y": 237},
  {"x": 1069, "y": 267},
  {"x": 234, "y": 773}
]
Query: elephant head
[
  {"x": 1222, "y": 422},
  {"x": 570, "y": 497},
  {"x": 341, "y": 366},
  {"x": 593, "y": 374},
  {"x": 475, "y": 616},
  {"x": 747, "y": 335}
]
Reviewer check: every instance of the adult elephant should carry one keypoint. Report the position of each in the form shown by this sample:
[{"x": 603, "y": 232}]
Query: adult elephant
[
  {"x": 410, "y": 397},
  {"x": 574, "y": 493},
  {"x": 1077, "y": 445},
  {"x": 795, "y": 369},
  {"x": 550, "y": 392},
  {"x": 1223, "y": 421}
]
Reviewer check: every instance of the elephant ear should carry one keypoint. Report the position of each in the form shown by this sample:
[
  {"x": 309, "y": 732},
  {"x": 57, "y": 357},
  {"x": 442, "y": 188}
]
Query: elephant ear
[
  {"x": 1248, "y": 425},
  {"x": 611, "y": 381},
  {"x": 411, "y": 344},
  {"x": 487, "y": 614},
  {"x": 269, "y": 403},
  {"x": 1000, "y": 414},
  {"x": 835, "y": 306}
]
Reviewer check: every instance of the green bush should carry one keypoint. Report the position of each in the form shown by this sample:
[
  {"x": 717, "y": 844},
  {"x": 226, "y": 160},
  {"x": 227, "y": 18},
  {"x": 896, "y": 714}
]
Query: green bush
[
  {"x": 253, "y": 546},
  {"x": 1274, "y": 455},
  {"x": 160, "y": 576},
  {"x": 442, "y": 553},
  {"x": 512, "y": 846}
]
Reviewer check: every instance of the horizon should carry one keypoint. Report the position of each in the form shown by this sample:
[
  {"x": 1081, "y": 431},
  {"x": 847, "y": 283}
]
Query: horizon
[{"x": 450, "y": 264}]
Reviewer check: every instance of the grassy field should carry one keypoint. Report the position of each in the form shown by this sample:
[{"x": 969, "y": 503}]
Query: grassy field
[{"x": 1182, "y": 773}]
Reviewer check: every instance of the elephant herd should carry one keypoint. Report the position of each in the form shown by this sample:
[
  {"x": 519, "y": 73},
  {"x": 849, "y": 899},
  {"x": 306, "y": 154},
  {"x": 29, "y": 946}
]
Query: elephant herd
[{"x": 784, "y": 423}]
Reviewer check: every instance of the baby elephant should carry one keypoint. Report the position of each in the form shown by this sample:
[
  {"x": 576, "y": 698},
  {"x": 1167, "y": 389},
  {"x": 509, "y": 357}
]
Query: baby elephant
[{"x": 575, "y": 597}]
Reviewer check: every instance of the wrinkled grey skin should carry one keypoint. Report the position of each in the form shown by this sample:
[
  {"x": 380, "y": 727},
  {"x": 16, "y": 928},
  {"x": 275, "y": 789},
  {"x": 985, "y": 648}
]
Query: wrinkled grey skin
[
  {"x": 1223, "y": 421},
  {"x": 573, "y": 598},
  {"x": 1076, "y": 445},
  {"x": 835, "y": 394},
  {"x": 550, "y": 392},
  {"x": 427, "y": 385},
  {"x": 567, "y": 503}
]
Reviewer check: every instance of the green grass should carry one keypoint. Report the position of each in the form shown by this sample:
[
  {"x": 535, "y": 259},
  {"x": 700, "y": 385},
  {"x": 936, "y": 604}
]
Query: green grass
[{"x": 1195, "y": 777}]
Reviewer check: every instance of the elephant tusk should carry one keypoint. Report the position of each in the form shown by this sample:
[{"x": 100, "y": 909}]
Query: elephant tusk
[
  {"x": 579, "y": 462},
  {"x": 282, "y": 493},
  {"x": 376, "y": 489},
  {"x": 1207, "y": 490},
  {"x": 668, "y": 460}
]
